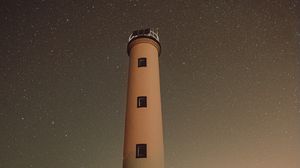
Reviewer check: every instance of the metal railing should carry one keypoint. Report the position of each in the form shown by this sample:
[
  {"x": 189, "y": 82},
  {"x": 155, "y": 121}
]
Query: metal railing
[{"x": 144, "y": 33}]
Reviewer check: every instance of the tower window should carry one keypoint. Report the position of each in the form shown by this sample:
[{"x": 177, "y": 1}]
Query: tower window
[
  {"x": 141, "y": 150},
  {"x": 142, "y": 62},
  {"x": 142, "y": 101}
]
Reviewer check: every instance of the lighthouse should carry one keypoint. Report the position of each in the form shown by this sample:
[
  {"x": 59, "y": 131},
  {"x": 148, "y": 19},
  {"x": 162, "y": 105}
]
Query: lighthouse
[{"x": 143, "y": 141}]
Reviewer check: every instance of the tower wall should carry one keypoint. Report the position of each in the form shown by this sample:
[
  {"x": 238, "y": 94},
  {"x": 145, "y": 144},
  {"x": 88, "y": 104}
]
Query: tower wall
[{"x": 143, "y": 125}]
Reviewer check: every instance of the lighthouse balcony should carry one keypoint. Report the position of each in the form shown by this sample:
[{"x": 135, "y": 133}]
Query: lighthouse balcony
[{"x": 144, "y": 33}]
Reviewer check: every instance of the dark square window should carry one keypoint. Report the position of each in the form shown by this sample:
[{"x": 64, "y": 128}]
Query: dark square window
[
  {"x": 135, "y": 33},
  {"x": 142, "y": 62},
  {"x": 147, "y": 31},
  {"x": 141, "y": 31},
  {"x": 142, "y": 101},
  {"x": 141, "y": 150}
]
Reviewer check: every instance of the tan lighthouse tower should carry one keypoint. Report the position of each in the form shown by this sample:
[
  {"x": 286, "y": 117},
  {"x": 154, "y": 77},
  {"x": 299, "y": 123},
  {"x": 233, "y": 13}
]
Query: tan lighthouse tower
[{"x": 143, "y": 142}]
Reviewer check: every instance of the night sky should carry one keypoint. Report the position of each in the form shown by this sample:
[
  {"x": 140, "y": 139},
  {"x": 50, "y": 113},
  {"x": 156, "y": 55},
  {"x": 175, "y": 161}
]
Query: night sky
[{"x": 229, "y": 70}]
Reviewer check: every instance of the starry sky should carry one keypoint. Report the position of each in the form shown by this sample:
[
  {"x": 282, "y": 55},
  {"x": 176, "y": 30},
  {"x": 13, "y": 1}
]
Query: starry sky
[{"x": 229, "y": 82}]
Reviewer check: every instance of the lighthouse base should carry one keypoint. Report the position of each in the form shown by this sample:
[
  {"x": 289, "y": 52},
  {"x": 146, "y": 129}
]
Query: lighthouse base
[{"x": 143, "y": 163}]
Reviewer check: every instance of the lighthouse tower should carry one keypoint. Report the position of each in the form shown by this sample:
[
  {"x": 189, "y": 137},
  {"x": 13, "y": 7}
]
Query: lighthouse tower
[{"x": 143, "y": 142}]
